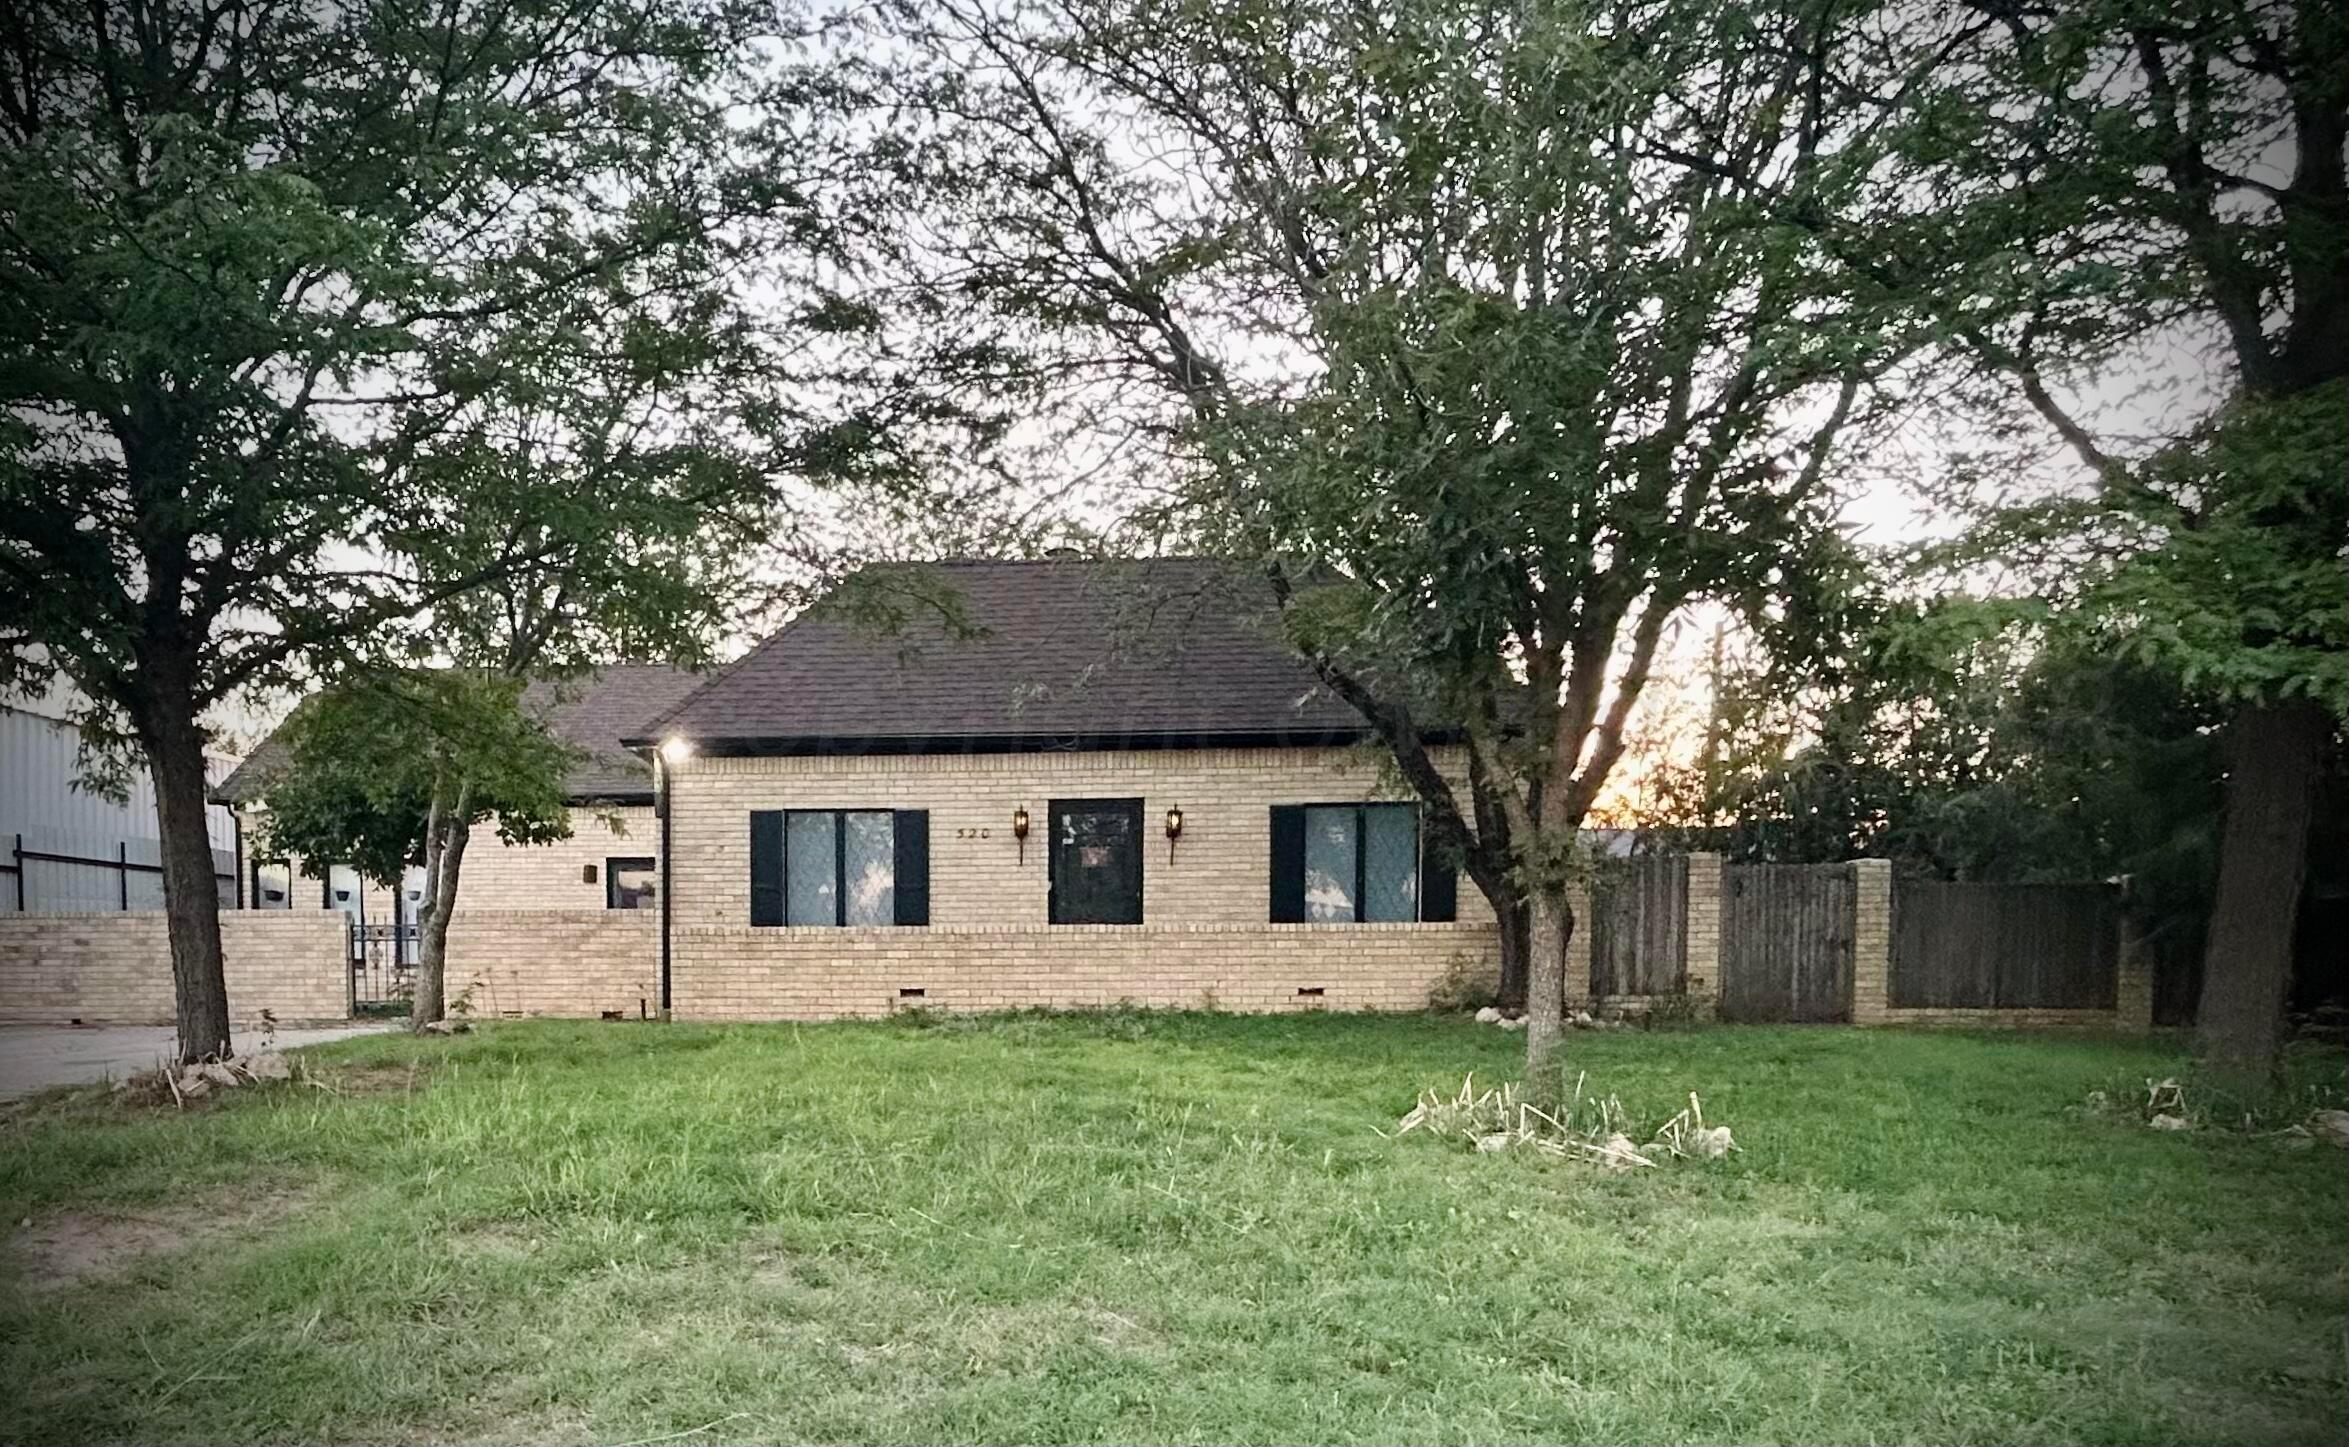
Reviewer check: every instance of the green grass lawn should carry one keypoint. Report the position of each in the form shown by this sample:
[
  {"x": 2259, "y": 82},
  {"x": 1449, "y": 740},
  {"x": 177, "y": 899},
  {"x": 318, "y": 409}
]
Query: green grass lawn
[{"x": 1143, "y": 1227}]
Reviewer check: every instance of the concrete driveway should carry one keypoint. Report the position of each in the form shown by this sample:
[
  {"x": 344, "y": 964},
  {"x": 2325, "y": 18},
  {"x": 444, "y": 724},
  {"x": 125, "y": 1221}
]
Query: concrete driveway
[{"x": 35, "y": 1057}]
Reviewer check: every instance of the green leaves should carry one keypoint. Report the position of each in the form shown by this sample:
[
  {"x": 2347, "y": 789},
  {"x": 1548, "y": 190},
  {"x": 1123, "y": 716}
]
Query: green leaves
[
  {"x": 369, "y": 761},
  {"x": 2130, "y": 193},
  {"x": 328, "y": 327}
]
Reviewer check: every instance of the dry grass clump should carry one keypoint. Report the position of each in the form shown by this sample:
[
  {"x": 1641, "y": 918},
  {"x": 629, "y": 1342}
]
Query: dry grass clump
[{"x": 1586, "y": 1128}]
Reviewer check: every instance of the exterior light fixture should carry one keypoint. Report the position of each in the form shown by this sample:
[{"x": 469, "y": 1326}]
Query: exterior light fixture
[
  {"x": 1174, "y": 831},
  {"x": 1019, "y": 830},
  {"x": 676, "y": 750}
]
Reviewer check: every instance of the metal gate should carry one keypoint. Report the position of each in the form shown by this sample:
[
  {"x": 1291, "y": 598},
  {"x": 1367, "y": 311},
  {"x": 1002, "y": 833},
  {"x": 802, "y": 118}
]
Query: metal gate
[
  {"x": 383, "y": 969},
  {"x": 1786, "y": 941}
]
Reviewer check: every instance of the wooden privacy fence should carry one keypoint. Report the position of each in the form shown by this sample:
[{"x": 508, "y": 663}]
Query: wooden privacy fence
[
  {"x": 1639, "y": 926},
  {"x": 1786, "y": 942},
  {"x": 2004, "y": 946},
  {"x": 1849, "y": 942}
]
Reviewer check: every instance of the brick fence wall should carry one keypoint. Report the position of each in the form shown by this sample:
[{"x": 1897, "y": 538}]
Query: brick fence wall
[
  {"x": 115, "y": 968},
  {"x": 566, "y": 962}
]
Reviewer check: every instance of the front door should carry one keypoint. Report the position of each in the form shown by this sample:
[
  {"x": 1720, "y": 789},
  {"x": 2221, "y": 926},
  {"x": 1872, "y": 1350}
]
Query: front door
[{"x": 1096, "y": 861}]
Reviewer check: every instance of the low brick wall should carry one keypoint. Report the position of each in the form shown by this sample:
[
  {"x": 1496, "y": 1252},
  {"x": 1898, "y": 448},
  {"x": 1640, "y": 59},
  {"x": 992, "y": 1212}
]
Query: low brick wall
[
  {"x": 115, "y": 968},
  {"x": 815, "y": 974},
  {"x": 576, "y": 963}
]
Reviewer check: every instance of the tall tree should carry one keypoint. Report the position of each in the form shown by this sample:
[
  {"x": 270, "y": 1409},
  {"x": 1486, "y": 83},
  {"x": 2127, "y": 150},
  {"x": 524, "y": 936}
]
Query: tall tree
[
  {"x": 2121, "y": 189},
  {"x": 262, "y": 262},
  {"x": 615, "y": 471},
  {"x": 396, "y": 767},
  {"x": 1966, "y": 738},
  {"x": 1493, "y": 387}
]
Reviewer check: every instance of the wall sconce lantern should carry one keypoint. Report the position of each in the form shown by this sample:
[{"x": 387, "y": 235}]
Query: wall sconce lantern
[
  {"x": 1174, "y": 831},
  {"x": 1019, "y": 831}
]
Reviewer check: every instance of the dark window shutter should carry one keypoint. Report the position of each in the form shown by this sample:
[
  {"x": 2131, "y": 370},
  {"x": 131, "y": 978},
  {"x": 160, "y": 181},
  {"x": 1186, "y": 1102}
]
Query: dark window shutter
[
  {"x": 1439, "y": 883},
  {"x": 766, "y": 866},
  {"x": 913, "y": 866},
  {"x": 1288, "y": 864}
]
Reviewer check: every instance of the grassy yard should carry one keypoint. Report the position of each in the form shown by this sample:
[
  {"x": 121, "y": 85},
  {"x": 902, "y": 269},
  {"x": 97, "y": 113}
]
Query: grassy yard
[{"x": 1144, "y": 1227}]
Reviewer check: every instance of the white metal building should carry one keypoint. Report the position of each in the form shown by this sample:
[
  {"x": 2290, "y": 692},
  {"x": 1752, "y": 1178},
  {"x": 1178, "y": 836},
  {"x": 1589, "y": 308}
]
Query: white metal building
[{"x": 64, "y": 847}]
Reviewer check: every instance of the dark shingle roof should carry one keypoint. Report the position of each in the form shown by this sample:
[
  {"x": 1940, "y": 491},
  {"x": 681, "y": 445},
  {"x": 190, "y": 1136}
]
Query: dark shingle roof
[
  {"x": 596, "y": 714},
  {"x": 1011, "y": 655},
  {"x": 591, "y": 714}
]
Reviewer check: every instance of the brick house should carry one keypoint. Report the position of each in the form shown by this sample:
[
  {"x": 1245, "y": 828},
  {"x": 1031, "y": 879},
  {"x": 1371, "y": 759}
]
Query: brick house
[
  {"x": 1048, "y": 783},
  {"x": 968, "y": 785}
]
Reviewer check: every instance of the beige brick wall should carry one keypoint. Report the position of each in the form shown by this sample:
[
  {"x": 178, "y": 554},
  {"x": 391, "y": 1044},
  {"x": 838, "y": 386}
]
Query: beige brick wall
[
  {"x": 1871, "y": 951},
  {"x": 569, "y": 962},
  {"x": 1218, "y": 874},
  {"x": 1703, "y": 930},
  {"x": 814, "y": 974},
  {"x": 501, "y": 876},
  {"x": 116, "y": 968},
  {"x": 1205, "y": 937}
]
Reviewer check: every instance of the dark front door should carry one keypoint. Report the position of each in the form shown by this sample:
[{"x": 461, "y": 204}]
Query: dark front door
[{"x": 1096, "y": 861}]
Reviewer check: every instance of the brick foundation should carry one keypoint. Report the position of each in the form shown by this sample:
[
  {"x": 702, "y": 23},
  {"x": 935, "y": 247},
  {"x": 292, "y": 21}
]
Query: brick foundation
[{"x": 814, "y": 974}]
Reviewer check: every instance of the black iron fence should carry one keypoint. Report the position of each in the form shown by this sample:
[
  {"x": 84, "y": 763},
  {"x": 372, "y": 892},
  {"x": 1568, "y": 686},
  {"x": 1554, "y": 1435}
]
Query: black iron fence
[
  {"x": 135, "y": 884},
  {"x": 383, "y": 969}
]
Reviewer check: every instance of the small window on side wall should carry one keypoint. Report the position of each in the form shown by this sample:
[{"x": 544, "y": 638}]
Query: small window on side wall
[
  {"x": 840, "y": 867},
  {"x": 631, "y": 884},
  {"x": 273, "y": 884},
  {"x": 1356, "y": 864}
]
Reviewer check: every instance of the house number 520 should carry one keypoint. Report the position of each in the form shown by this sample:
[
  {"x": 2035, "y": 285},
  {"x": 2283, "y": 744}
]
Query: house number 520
[{"x": 983, "y": 833}]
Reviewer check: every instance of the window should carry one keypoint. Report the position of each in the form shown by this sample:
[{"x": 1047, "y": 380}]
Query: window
[
  {"x": 1354, "y": 864},
  {"x": 1096, "y": 861},
  {"x": 850, "y": 867},
  {"x": 273, "y": 884},
  {"x": 411, "y": 912},
  {"x": 631, "y": 884}
]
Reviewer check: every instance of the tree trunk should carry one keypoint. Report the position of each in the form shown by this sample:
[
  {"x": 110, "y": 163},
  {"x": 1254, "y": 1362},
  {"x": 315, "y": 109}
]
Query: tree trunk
[
  {"x": 444, "y": 858},
  {"x": 1550, "y": 924},
  {"x": 1514, "y": 928},
  {"x": 174, "y": 746},
  {"x": 2274, "y": 753}
]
